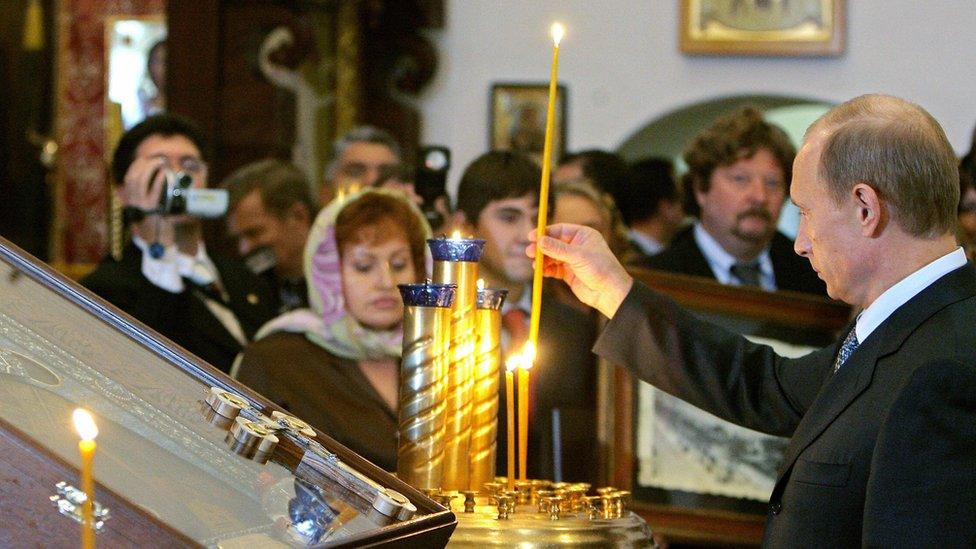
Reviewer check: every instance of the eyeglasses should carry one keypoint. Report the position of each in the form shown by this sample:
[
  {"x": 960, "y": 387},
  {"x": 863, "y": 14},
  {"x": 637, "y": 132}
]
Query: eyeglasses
[{"x": 187, "y": 164}]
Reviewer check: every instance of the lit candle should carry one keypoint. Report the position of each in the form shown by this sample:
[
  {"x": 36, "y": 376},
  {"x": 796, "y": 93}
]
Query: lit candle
[
  {"x": 510, "y": 365},
  {"x": 557, "y": 35},
  {"x": 87, "y": 430},
  {"x": 526, "y": 362}
]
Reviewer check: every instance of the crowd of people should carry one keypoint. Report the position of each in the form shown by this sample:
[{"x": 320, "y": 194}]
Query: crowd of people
[{"x": 308, "y": 314}]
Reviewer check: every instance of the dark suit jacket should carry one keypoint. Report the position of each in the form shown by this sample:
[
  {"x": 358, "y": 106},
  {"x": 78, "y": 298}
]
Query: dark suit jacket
[
  {"x": 184, "y": 317},
  {"x": 882, "y": 454},
  {"x": 791, "y": 271}
]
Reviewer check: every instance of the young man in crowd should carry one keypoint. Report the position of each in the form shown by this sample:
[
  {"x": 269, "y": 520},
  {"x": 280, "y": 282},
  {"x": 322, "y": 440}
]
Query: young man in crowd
[{"x": 497, "y": 200}]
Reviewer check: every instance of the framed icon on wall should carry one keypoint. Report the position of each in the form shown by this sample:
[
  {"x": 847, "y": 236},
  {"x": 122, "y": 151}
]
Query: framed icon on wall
[
  {"x": 762, "y": 27},
  {"x": 518, "y": 119}
]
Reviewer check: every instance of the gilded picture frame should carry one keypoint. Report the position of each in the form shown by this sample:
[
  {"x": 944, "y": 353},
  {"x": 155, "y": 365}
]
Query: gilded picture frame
[
  {"x": 763, "y": 27},
  {"x": 518, "y": 118}
]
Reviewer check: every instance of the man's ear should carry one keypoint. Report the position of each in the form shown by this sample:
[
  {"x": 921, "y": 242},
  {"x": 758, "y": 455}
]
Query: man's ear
[{"x": 871, "y": 211}]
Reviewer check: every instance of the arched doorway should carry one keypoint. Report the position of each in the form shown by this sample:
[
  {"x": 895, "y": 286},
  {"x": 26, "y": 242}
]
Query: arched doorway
[{"x": 668, "y": 135}]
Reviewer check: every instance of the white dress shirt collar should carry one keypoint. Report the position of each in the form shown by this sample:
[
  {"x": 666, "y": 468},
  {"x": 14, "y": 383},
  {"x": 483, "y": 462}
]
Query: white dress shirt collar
[
  {"x": 645, "y": 243},
  {"x": 907, "y": 288},
  {"x": 168, "y": 271}
]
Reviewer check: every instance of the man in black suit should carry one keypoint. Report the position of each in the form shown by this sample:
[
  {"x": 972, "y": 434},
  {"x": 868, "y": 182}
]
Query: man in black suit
[
  {"x": 883, "y": 422},
  {"x": 738, "y": 175},
  {"x": 209, "y": 305}
]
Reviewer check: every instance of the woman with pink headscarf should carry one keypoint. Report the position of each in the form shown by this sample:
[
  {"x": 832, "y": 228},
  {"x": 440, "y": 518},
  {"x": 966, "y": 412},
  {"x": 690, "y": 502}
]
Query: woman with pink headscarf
[{"x": 336, "y": 365}]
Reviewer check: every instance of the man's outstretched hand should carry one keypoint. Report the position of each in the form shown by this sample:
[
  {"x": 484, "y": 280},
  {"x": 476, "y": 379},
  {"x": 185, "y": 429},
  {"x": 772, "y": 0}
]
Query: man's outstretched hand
[{"x": 579, "y": 256}]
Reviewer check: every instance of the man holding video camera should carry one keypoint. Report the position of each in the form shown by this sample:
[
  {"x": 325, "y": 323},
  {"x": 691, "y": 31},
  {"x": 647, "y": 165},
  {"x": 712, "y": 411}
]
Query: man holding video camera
[{"x": 211, "y": 306}]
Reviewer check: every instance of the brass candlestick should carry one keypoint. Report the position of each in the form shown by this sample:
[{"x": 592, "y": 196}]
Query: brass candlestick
[
  {"x": 456, "y": 262},
  {"x": 423, "y": 383},
  {"x": 487, "y": 361}
]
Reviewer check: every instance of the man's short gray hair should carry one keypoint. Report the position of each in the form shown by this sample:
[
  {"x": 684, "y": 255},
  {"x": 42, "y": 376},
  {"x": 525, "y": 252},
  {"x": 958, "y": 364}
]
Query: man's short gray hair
[
  {"x": 898, "y": 148},
  {"x": 360, "y": 134}
]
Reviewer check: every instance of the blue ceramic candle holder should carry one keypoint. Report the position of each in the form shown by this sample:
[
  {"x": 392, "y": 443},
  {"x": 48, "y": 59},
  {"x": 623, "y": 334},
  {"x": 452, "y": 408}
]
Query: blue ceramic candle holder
[{"x": 427, "y": 294}]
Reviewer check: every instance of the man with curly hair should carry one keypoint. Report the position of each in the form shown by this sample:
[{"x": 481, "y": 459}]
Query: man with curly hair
[{"x": 737, "y": 180}]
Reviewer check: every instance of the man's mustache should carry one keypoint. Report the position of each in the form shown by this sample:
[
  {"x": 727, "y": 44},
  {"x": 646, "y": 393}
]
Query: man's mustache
[{"x": 755, "y": 212}]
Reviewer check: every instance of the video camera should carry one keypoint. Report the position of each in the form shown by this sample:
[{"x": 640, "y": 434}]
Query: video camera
[{"x": 178, "y": 197}]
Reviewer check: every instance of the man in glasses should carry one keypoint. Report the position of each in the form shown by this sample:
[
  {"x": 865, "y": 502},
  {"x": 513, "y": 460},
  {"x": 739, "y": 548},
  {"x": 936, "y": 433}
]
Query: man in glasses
[{"x": 211, "y": 306}]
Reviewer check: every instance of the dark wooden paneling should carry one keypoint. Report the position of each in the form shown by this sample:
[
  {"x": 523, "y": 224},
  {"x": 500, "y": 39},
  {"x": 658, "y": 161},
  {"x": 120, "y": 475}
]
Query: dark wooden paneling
[
  {"x": 26, "y": 102},
  {"x": 214, "y": 78}
]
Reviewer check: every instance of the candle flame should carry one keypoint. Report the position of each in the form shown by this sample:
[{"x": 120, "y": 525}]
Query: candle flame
[
  {"x": 557, "y": 31},
  {"x": 512, "y": 363},
  {"x": 456, "y": 235},
  {"x": 84, "y": 424},
  {"x": 528, "y": 356},
  {"x": 480, "y": 284}
]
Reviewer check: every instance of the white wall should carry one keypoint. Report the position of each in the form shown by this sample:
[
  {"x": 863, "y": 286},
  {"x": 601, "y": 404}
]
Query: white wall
[{"x": 621, "y": 64}]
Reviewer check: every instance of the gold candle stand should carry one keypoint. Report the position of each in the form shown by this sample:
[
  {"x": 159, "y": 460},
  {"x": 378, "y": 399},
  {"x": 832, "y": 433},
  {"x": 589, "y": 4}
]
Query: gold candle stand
[
  {"x": 487, "y": 362},
  {"x": 456, "y": 262},
  {"x": 423, "y": 383}
]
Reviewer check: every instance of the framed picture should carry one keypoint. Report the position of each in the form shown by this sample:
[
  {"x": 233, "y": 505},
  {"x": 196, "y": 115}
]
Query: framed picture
[
  {"x": 694, "y": 477},
  {"x": 518, "y": 119},
  {"x": 762, "y": 27}
]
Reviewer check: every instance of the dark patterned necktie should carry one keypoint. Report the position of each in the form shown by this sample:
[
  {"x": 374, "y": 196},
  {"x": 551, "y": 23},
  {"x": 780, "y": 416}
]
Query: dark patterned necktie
[
  {"x": 846, "y": 349},
  {"x": 746, "y": 273}
]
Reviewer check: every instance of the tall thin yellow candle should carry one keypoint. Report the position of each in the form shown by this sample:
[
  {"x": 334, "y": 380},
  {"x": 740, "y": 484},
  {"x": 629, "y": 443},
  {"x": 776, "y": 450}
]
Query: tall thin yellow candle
[
  {"x": 510, "y": 365},
  {"x": 525, "y": 362},
  {"x": 557, "y": 35},
  {"x": 87, "y": 430},
  {"x": 528, "y": 357}
]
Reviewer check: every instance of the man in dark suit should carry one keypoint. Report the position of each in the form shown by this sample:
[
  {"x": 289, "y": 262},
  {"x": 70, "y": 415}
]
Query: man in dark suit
[
  {"x": 165, "y": 278},
  {"x": 883, "y": 422},
  {"x": 498, "y": 200},
  {"x": 269, "y": 214},
  {"x": 738, "y": 175}
]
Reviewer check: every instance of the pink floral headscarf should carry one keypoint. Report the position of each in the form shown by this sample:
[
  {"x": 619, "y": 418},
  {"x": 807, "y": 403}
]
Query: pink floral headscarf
[{"x": 327, "y": 323}]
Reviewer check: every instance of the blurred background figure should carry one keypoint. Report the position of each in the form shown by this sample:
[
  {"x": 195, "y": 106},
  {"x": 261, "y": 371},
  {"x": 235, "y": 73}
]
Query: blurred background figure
[
  {"x": 152, "y": 89},
  {"x": 403, "y": 178},
  {"x": 739, "y": 170},
  {"x": 336, "y": 364},
  {"x": 269, "y": 215},
  {"x": 210, "y": 304},
  {"x": 606, "y": 170},
  {"x": 357, "y": 158},
  {"x": 582, "y": 202},
  {"x": 651, "y": 205}
]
